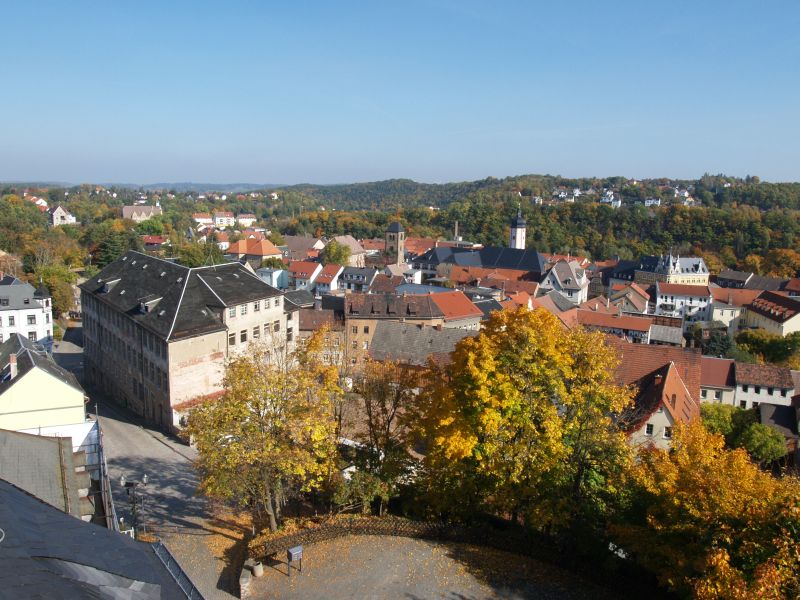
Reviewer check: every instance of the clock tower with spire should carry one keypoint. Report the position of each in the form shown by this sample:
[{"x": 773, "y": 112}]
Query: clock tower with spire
[{"x": 518, "y": 226}]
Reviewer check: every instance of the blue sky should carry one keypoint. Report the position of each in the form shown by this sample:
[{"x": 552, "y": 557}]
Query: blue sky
[{"x": 326, "y": 92}]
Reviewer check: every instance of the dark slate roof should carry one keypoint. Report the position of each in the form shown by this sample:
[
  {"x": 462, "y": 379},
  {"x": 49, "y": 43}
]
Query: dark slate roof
[
  {"x": 413, "y": 344},
  {"x": 29, "y": 356},
  {"x": 395, "y": 228},
  {"x": 560, "y": 300},
  {"x": 781, "y": 418},
  {"x": 300, "y": 298},
  {"x": 42, "y": 291},
  {"x": 353, "y": 273},
  {"x": 487, "y": 306},
  {"x": 390, "y": 306},
  {"x": 490, "y": 257},
  {"x": 49, "y": 554},
  {"x": 10, "y": 280},
  {"x": 16, "y": 292},
  {"x": 42, "y": 466},
  {"x": 178, "y": 301}
]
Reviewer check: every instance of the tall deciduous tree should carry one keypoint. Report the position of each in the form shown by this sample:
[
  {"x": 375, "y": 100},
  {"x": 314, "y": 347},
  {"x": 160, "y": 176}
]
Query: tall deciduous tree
[
  {"x": 335, "y": 253},
  {"x": 522, "y": 421},
  {"x": 271, "y": 433}
]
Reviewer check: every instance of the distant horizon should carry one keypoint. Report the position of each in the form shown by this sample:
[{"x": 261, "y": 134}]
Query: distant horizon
[
  {"x": 438, "y": 90},
  {"x": 255, "y": 185}
]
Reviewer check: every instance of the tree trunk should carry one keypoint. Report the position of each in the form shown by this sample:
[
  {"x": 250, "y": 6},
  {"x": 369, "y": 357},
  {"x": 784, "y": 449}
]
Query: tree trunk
[{"x": 273, "y": 523}]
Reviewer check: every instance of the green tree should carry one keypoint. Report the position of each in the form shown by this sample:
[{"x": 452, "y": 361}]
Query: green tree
[
  {"x": 335, "y": 253},
  {"x": 272, "y": 262},
  {"x": 58, "y": 279},
  {"x": 271, "y": 434},
  {"x": 763, "y": 443}
]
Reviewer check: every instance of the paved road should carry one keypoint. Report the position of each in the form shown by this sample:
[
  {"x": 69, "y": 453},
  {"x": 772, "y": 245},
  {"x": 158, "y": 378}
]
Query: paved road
[{"x": 171, "y": 509}]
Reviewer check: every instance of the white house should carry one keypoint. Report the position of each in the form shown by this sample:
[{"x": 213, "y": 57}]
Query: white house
[
  {"x": 246, "y": 219},
  {"x": 328, "y": 279},
  {"x": 60, "y": 216},
  {"x": 25, "y": 310},
  {"x": 762, "y": 383},
  {"x": 775, "y": 313},
  {"x": 303, "y": 274},
  {"x": 203, "y": 218},
  {"x": 224, "y": 219},
  {"x": 652, "y": 202},
  {"x": 568, "y": 278},
  {"x": 692, "y": 303}
]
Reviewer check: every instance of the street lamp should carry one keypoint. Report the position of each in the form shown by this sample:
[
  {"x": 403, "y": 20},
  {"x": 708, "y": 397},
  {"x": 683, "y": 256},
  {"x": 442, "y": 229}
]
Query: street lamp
[{"x": 136, "y": 500}]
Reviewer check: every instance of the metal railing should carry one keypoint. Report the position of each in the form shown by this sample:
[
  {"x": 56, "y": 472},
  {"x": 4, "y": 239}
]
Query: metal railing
[{"x": 177, "y": 573}]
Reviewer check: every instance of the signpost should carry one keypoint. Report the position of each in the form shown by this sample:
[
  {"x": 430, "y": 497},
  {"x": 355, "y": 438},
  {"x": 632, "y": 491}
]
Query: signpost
[{"x": 295, "y": 554}]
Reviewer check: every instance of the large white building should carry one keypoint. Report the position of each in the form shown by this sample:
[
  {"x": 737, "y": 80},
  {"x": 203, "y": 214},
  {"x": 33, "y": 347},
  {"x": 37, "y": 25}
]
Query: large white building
[
  {"x": 158, "y": 334},
  {"x": 692, "y": 303},
  {"x": 25, "y": 310}
]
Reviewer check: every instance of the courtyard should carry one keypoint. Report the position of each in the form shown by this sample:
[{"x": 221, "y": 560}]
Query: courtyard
[{"x": 379, "y": 567}]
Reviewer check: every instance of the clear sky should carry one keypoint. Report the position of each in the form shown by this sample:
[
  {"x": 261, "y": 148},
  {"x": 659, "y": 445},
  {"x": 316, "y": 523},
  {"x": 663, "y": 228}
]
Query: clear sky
[{"x": 445, "y": 90}]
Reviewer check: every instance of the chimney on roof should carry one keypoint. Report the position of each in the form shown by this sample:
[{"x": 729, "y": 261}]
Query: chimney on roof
[
  {"x": 438, "y": 327},
  {"x": 12, "y": 366},
  {"x": 608, "y": 301}
]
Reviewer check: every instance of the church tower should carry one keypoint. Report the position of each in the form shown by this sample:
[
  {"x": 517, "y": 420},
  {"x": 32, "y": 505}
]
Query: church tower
[
  {"x": 518, "y": 231},
  {"x": 395, "y": 243}
]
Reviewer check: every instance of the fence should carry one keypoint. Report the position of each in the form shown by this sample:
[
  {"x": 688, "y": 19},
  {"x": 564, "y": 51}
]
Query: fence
[
  {"x": 509, "y": 539},
  {"x": 176, "y": 571}
]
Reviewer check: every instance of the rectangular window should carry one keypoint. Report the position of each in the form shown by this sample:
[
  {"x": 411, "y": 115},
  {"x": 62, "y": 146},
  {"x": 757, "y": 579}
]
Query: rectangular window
[
  {"x": 758, "y": 389},
  {"x": 289, "y": 334},
  {"x": 277, "y": 302},
  {"x": 243, "y": 336},
  {"x": 32, "y": 336},
  {"x": 276, "y": 326},
  {"x": 755, "y": 404},
  {"x": 256, "y": 332},
  {"x": 256, "y": 306},
  {"x": 243, "y": 310},
  {"x": 667, "y": 433},
  {"x": 31, "y": 319},
  {"x": 232, "y": 311},
  {"x": 366, "y": 329},
  {"x": 354, "y": 330},
  {"x": 3, "y": 301},
  {"x": 742, "y": 403},
  {"x": 366, "y": 346},
  {"x": 717, "y": 395},
  {"x": 783, "y": 393},
  {"x": 648, "y": 429},
  {"x": 770, "y": 391},
  {"x": 231, "y": 339},
  {"x": 11, "y": 321},
  {"x": 745, "y": 388},
  {"x": 703, "y": 394},
  {"x": 47, "y": 318},
  {"x": 354, "y": 344}
]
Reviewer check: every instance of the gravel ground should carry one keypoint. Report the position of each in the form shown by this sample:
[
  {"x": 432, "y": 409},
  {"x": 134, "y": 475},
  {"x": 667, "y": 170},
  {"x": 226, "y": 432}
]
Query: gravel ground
[{"x": 373, "y": 567}]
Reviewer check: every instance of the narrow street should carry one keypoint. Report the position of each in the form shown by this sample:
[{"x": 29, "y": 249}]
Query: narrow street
[{"x": 171, "y": 510}]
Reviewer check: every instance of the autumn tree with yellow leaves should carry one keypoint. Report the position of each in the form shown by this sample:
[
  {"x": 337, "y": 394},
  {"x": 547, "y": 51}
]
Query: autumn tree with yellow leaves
[
  {"x": 522, "y": 422},
  {"x": 712, "y": 525},
  {"x": 271, "y": 433}
]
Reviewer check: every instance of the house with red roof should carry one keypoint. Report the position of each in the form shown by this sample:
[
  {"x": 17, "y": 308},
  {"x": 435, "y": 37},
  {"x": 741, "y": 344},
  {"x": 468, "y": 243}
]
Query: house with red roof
[
  {"x": 717, "y": 381},
  {"x": 328, "y": 279},
  {"x": 666, "y": 388},
  {"x": 253, "y": 251},
  {"x": 692, "y": 303},
  {"x": 776, "y": 313},
  {"x": 633, "y": 329},
  {"x": 729, "y": 306},
  {"x": 303, "y": 274},
  {"x": 224, "y": 218}
]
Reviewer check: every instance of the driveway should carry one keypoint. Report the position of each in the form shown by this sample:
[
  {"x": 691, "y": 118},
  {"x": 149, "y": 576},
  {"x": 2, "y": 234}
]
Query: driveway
[{"x": 172, "y": 510}]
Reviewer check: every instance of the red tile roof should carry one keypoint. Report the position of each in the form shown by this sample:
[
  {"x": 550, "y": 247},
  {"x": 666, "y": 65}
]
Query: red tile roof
[
  {"x": 590, "y": 318},
  {"x": 775, "y": 307},
  {"x": 302, "y": 268},
  {"x": 599, "y": 304},
  {"x": 638, "y": 360},
  {"x": 252, "y": 247},
  {"x": 717, "y": 372},
  {"x": 385, "y": 284},
  {"x": 455, "y": 305},
  {"x": 766, "y": 375},
  {"x": 329, "y": 273},
  {"x": 373, "y": 244},
  {"x": 681, "y": 289},
  {"x": 734, "y": 297},
  {"x": 793, "y": 285}
]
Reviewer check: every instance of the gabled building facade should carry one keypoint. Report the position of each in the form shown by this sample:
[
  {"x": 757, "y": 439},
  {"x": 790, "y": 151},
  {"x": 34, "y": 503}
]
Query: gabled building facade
[{"x": 157, "y": 334}]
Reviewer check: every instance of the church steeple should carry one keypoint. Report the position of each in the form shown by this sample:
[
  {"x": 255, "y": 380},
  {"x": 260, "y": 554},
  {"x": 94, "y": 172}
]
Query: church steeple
[{"x": 518, "y": 226}]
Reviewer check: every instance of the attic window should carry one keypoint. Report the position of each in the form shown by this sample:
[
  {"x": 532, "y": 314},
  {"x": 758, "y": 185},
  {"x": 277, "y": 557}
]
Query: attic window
[
  {"x": 179, "y": 279},
  {"x": 236, "y": 275},
  {"x": 161, "y": 313},
  {"x": 133, "y": 262},
  {"x": 144, "y": 266},
  {"x": 163, "y": 273},
  {"x": 124, "y": 258}
]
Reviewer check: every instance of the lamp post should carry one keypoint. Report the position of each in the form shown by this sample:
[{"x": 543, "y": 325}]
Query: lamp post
[{"x": 136, "y": 500}]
